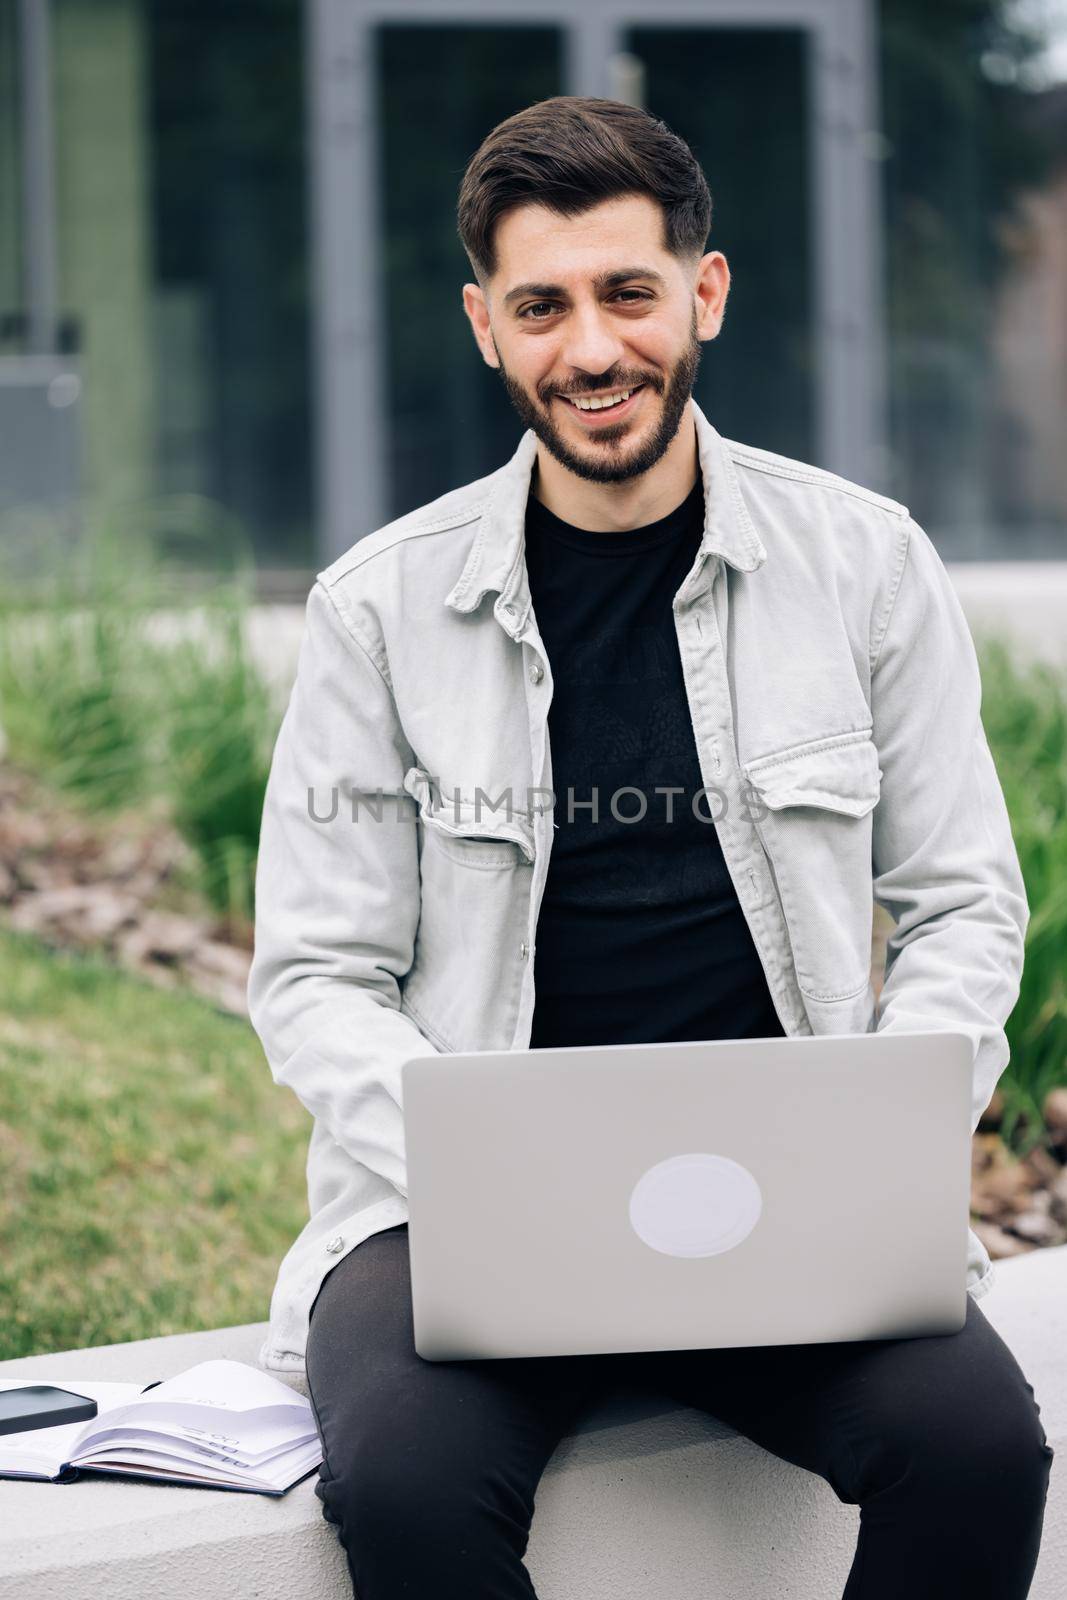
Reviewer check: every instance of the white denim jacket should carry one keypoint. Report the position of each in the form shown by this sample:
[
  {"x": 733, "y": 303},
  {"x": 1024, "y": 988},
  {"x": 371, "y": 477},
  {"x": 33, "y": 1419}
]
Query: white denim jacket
[{"x": 835, "y": 698}]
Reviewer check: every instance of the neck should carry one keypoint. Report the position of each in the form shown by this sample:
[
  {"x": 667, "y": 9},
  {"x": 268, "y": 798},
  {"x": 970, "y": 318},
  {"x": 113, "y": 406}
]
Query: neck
[{"x": 616, "y": 507}]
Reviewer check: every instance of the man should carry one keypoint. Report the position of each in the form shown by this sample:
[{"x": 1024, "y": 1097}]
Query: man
[{"x": 617, "y": 744}]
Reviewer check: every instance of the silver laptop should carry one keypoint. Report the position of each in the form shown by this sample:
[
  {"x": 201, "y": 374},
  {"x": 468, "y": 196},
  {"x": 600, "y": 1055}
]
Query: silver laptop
[{"x": 688, "y": 1196}]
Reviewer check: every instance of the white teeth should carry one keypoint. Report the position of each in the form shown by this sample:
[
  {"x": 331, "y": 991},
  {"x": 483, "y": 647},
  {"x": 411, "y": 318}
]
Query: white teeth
[{"x": 599, "y": 405}]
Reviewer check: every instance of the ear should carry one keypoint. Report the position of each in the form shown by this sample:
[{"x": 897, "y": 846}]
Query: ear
[
  {"x": 710, "y": 289},
  {"x": 475, "y": 306}
]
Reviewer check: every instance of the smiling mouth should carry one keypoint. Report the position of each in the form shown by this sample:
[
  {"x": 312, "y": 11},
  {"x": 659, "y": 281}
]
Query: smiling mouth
[{"x": 616, "y": 409}]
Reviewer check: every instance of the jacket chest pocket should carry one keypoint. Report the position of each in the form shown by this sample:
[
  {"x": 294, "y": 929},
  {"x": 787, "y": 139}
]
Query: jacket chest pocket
[
  {"x": 469, "y": 832},
  {"x": 812, "y": 809}
]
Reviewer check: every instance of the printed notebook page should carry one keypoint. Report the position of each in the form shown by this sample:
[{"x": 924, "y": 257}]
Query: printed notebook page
[
  {"x": 228, "y": 1399},
  {"x": 225, "y": 1420},
  {"x": 43, "y": 1452}
]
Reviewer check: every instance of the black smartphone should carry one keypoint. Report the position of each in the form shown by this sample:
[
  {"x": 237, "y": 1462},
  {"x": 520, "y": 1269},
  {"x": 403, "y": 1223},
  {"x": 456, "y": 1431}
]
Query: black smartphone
[{"x": 39, "y": 1405}]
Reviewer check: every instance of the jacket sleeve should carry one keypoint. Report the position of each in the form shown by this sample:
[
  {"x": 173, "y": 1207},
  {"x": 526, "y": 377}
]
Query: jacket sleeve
[
  {"x": 944, "y": 860},
  {"x": 336, "y": 899}
]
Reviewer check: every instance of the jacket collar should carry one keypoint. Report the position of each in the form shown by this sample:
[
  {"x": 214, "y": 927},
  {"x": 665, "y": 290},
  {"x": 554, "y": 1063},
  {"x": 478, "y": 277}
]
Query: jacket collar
[{"x": 496, "y": 564}]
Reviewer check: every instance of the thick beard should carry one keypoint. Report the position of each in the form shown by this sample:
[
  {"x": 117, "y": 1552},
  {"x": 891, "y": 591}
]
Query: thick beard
[{"x": 612, "y": 464}]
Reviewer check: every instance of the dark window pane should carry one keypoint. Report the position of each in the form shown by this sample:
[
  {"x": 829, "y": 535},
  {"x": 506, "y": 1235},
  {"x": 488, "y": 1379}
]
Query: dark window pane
[
  {"x": 11, "y": 305},
  {"x": 738, "y": 97},
  {"x": 227, "y": 185},
  {"x": 441, "y": 91}
]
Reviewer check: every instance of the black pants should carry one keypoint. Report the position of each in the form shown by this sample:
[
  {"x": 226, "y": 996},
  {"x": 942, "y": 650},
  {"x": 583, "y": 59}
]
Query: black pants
[{"x": 430, "y": 1468}]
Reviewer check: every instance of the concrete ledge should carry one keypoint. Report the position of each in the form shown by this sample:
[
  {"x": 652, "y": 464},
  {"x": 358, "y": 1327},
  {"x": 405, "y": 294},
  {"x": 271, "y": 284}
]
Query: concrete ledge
[{"x": 644, "y": 1500}]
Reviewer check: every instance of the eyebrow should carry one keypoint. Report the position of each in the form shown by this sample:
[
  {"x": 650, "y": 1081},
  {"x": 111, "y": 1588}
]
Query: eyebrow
[{"x": 602, "y": 280}]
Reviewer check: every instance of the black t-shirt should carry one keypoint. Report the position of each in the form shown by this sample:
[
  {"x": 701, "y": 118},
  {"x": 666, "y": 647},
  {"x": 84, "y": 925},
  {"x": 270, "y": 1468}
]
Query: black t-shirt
[{"x": 640, "y": 936}]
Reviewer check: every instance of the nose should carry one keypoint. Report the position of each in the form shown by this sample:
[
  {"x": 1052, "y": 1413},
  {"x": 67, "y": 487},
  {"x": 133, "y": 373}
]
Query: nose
[{"x": 591, "y": 345}]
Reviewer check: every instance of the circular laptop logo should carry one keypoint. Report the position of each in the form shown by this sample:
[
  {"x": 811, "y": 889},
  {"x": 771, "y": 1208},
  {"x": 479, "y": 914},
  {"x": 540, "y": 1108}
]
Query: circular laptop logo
[{"x": 695, "y": 1205}]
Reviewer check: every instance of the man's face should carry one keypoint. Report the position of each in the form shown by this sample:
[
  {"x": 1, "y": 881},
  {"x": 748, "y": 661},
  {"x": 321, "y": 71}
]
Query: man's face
[{"x": 556, "y": 332}]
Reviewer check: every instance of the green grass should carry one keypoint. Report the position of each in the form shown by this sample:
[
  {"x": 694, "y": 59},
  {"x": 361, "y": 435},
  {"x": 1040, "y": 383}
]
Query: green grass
[
  {"x": 151, "y": 1172},
  {"x": 98, "y": 704}
]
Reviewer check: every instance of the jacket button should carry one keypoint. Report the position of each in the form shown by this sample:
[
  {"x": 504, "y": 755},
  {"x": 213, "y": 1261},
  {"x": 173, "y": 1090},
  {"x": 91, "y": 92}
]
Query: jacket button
[
  {"x": 524, "y": 950},
  {"x": 536, "y": 673},
  {"x": 335, "y": 1245}
]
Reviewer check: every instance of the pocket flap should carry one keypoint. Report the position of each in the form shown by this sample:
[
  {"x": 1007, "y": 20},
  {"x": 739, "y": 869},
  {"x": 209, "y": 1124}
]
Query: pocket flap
[
  {"x": 837, "y": 776},
  {"x": 455, "y": 814}
]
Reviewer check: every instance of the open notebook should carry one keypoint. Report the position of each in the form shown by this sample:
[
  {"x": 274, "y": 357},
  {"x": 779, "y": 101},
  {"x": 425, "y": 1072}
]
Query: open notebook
[{"x": 222, "y": 1425}]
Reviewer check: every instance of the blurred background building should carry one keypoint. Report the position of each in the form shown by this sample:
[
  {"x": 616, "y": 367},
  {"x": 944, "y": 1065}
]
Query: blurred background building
[{"x": 229, "y": 271}]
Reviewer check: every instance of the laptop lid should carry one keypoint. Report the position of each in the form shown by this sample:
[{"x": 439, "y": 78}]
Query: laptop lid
[{"x": 685, "y": 1196}]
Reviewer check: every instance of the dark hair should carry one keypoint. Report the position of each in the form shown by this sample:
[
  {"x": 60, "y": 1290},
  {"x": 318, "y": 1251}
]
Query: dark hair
[{"x": 570, "y": 153}]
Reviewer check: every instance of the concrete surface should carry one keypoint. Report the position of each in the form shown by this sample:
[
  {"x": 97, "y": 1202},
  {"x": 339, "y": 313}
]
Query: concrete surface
[
  {"x": 1026, "y": 601},
  {"x": 645, "y": 1501}
]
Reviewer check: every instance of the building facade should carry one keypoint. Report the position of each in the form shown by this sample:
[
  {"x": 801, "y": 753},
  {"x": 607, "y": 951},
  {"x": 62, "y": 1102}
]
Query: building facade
[{"x": 230, "y": 279}]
